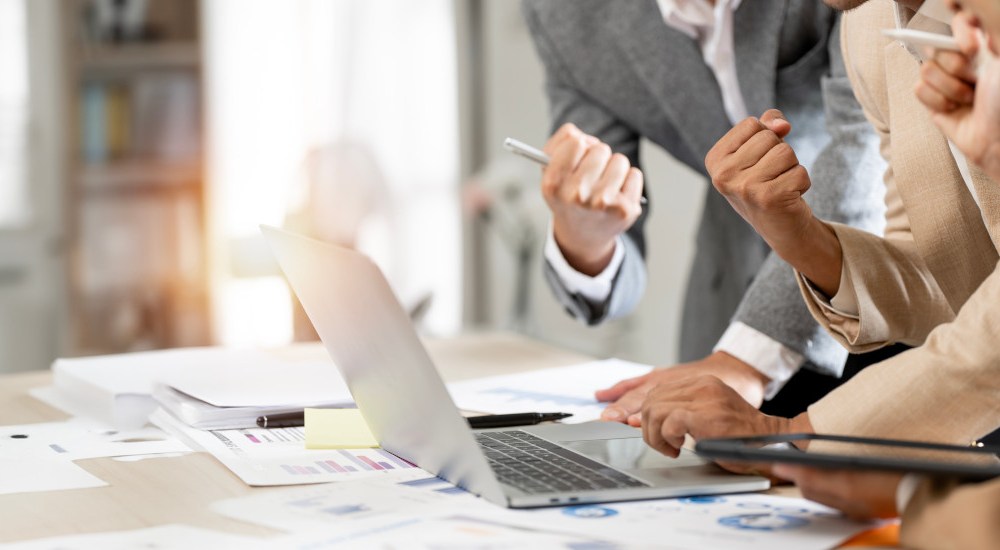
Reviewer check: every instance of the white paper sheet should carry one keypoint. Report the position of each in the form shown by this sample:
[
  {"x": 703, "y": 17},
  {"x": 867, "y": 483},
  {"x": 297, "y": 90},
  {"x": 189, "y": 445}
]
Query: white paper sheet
[
  {"x": 278, "y": 456},
  {"x": 414, "y": 493},
  {"x": 380, "y": 507},
  {"x": 32, "y": 475},
  {"x": 164, "y": 537},
  {"x": 564, "y": 389},
  {"x": 258, "y": 379},
  {"x": 734, "y": 522},
  {"x": 436, "y": 534},
  {"x": 78, "y": 439}
]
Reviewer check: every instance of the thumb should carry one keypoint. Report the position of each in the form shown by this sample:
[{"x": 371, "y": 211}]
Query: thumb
[{"x": 775, "y": 121}]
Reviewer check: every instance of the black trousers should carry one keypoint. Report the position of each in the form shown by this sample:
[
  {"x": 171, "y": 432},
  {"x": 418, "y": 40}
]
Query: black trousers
[{"x": 807, "y": 387}]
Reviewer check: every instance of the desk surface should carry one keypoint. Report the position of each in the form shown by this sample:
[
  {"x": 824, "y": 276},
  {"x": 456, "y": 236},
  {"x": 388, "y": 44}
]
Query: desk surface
[{"x": 160, "y": 491}]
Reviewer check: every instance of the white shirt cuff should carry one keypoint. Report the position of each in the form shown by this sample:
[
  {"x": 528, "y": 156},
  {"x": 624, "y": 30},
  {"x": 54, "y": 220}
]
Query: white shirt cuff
[
  {"x": 765, "y": 354},
  {"x": 595, "y": 289},
  {"x": 904, "y": 491}
]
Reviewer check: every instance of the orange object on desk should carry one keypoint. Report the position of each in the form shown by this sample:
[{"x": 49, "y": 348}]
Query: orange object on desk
[{"x": 886, "y": 535}]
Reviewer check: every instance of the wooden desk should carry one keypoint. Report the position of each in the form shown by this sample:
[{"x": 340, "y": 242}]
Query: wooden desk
[{"x": 179, "y": 490}]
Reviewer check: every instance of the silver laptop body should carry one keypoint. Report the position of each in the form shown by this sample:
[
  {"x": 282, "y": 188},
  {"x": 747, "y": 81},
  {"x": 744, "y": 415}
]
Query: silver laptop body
[{"x": 406, "y": 405}]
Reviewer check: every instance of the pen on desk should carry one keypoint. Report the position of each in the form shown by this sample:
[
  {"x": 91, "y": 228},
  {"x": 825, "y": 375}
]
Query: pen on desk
[
  {"x": 282, "y": 420},
  {"x": 531, "y": 153},
  {"x": 298, "y": 418},
  {"x": 516, "y": 419}
]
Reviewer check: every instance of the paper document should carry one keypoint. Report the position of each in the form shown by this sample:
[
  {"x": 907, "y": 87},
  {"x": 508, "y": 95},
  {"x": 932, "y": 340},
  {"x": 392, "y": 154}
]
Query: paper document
[
  {"x": 336, "y": 504},
  {"x": 78, "y": 439},
  {"x": 337, "y": 429},
  {"x": 418, "y": 532},
  {"x": 164, "y": 537},
  {"x": 205, "y": 416},
  {"x": 32, "y": 475},
  {"x": 734, "y": 522},
  {"x": 404, "y": 510},
  {"x": 413, "y": 510},
  {"x": 564, "y": 389},
  {"x": 117, "y": 389},
  {"x": 262, "y": 457}
]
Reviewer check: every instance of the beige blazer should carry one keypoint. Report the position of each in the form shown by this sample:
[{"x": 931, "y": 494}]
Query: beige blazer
[
  {"x": 943, "y": 516},
  {"x": 932, "y": 281}
]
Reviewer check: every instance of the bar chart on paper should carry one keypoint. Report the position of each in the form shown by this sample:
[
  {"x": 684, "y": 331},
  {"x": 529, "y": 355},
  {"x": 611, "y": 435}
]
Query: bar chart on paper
[
  {"x": 264, "y": 457},
  {"x": 564, "y": 389},
  {"x": 348, "y": 461}
]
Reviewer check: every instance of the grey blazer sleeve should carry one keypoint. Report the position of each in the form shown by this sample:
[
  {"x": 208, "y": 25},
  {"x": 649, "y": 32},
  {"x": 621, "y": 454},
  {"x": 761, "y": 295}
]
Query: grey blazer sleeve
[
  {"x": 847, "y": 188},
  {"x": 568, "y": 104}
]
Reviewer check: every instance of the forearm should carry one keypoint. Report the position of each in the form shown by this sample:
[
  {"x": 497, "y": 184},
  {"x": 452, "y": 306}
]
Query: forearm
[{"x": 814, "y": 252}]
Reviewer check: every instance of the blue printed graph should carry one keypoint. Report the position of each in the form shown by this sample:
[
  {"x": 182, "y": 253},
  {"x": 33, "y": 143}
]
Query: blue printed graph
[
  {"x": 763, "y": 522},
  {"x": 589, "y": 512}
]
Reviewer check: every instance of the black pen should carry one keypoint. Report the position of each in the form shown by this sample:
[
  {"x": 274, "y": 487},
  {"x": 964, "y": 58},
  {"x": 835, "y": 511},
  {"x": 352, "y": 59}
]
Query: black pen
[
  {"x": 516, "y": 419},
  {"x": 298, "y": 418},
  {"x": 282, "y": 420}
]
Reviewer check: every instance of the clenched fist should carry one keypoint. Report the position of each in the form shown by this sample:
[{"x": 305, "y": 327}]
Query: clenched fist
[
  {"x": 594, "y": 196},
  {"x": 760, "y": 175}
]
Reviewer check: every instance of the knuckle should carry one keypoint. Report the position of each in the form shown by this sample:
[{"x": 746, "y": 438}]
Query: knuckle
[{"x": 601, "y": 148}]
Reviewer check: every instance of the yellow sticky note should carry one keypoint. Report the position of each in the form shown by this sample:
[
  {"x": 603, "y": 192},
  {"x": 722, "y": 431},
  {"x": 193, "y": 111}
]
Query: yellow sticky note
[{"x": 337, "y": 429}]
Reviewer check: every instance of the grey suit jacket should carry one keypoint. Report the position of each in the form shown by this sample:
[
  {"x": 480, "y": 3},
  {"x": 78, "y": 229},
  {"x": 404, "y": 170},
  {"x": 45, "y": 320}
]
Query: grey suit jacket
[{"x": 616, "y": 70}]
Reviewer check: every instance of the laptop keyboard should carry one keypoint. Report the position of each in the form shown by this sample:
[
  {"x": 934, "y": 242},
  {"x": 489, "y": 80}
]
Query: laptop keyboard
[{"x": 535, "y": 465}]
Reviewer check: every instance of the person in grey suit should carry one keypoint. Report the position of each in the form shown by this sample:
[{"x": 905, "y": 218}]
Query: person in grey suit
[{"x": 680, "y": 73}]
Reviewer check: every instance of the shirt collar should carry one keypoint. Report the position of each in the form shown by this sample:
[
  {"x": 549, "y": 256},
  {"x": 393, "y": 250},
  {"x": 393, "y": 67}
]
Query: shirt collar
[
  {"x": 932, "y": 16},
  {"x": 693, "y": 17}
]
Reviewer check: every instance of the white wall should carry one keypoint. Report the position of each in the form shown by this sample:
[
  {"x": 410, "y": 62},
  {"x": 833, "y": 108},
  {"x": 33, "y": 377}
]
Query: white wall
[{"x": 515, "y": 106}]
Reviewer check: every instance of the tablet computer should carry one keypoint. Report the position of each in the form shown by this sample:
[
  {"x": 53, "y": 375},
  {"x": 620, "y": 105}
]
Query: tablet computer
[{"x": 846, "y": 452}]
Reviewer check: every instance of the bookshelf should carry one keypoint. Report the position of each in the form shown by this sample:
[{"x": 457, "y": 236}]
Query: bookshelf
[{"x": 138, "y": 275}]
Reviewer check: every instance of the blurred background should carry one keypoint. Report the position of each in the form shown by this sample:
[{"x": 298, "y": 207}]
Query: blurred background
[{"x": 142, "y": 142}]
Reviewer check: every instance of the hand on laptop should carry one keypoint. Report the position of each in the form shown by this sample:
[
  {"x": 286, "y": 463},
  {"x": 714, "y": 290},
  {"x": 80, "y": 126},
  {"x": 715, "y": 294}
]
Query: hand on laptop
[
  {"x": 705, "y": 406},
  {"x": 860, "y": 494},
  {"x": 628, "y": 395}
]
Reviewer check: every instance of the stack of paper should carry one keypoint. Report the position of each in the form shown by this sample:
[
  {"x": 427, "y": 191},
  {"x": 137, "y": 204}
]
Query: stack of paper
[
  {"x": 232, "y": 395},
  {"x": 118, "y": 389}
]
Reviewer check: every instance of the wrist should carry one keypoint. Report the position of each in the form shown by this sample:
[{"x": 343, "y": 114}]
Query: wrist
[
  {"x": 749, "y": 382},
  {"x": 818, "y": 256},
  {"x": 589, "y": 257}
]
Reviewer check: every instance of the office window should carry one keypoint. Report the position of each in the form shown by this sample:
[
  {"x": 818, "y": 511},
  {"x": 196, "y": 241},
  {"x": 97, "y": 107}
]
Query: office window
[
  {"x": 337, "y": 119},
  {"x": 14, "y": 207}
]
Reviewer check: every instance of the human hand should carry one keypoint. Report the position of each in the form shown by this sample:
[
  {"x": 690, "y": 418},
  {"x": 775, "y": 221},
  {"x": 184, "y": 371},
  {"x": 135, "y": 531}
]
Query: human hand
[
  {"x": 704, "y": 407},
  {"x": 628, "y": 395},
  {"x": 964, "y": 105},
  {"x": 858, "y": 494},
  {"x": 760, "y": 175},
  {"x": 594, "y": 196}
]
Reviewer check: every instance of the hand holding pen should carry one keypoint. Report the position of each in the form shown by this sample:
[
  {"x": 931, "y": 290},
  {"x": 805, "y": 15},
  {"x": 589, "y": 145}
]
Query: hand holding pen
[{"x": 594, "y": 195}]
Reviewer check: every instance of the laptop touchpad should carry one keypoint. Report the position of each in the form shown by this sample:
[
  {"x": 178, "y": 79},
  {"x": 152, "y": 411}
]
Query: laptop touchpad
[{"x": 630, "y": 453}]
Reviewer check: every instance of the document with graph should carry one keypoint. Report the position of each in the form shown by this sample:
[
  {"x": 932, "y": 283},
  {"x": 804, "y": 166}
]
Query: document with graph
[{"x": 563, "y": 389}]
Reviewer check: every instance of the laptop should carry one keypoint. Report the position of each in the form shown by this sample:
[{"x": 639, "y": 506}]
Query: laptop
[{"x": 405, "y": 403}]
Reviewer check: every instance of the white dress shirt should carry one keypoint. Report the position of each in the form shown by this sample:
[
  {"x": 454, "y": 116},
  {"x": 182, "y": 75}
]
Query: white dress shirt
[{"x": 712, "y": 27}]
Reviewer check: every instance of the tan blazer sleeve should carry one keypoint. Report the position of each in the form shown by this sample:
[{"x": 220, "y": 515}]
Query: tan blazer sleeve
[
  {"x": 946, "y": 517},
  {"x": 890, "y": 278},
  {"x": 947, "y": 390}
]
